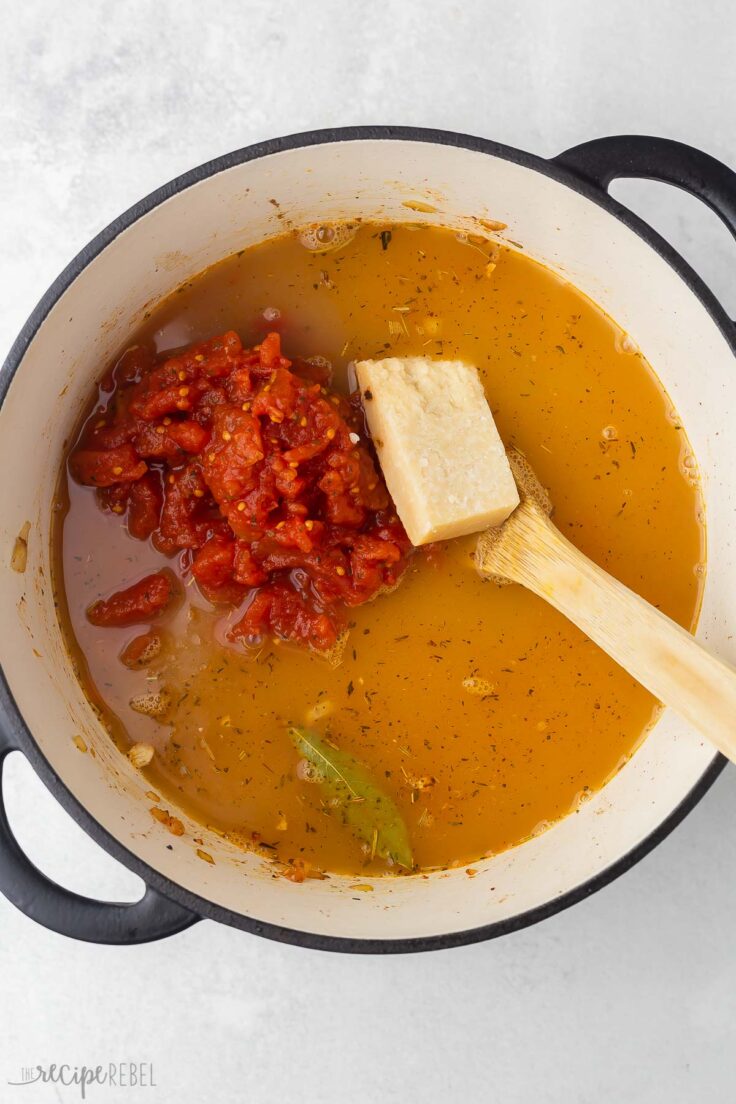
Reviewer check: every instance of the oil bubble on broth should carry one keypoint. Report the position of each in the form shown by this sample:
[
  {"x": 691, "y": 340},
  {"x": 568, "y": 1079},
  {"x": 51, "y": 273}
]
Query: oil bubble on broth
[{"x": 326, "y": 237}]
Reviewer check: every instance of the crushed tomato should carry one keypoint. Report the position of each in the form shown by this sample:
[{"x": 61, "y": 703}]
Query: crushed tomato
[
  {"x": 245, "y": 465},
  {"x": 142, "y": 601}
]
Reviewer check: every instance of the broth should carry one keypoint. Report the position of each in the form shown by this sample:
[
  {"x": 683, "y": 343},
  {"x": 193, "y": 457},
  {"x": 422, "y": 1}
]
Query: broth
[{"x": 482, "y": 712}]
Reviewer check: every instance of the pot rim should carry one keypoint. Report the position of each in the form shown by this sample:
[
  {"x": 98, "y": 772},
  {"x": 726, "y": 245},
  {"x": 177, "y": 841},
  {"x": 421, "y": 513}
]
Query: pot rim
[{"x": 10, "y": 714}]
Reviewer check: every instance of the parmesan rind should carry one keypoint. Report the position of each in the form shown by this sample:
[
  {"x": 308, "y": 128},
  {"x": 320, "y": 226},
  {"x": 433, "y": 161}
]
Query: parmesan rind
[{"x": 443, "y": 460}]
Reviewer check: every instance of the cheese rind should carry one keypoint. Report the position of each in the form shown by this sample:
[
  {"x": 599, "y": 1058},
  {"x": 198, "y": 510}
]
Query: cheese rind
[{"x": 443, "y": 460}]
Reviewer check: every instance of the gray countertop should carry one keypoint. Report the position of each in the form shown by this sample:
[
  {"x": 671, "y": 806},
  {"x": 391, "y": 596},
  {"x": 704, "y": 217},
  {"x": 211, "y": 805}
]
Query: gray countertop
[{"x": 629, "y": 996}]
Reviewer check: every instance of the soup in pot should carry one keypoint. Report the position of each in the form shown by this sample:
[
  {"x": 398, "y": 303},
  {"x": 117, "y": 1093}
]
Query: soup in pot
[{"x": 245, "y": 610}]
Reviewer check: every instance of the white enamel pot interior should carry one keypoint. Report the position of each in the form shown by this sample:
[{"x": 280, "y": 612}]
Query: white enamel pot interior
[{"x": 90, "y": 314}]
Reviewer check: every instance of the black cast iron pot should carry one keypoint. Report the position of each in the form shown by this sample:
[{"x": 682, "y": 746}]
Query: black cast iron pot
[{"x": 561, "y": 214}]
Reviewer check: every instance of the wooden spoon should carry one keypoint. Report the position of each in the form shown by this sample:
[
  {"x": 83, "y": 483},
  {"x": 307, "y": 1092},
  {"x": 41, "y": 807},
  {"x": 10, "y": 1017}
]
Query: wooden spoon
[{"x": 658, "y": 653}]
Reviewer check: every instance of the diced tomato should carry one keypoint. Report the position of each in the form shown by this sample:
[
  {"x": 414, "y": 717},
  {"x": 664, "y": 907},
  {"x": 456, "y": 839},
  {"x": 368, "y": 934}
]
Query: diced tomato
[
  {"x": 243, "y": 524},
  {"x": 300, "y": 453},
  {"x": 294, "y": 532},
  {"x": 240, "y": 385},
  {"x": 189, "y": 436},
  {"x": 246, "y": 570},
  {"x": 142, "y": 601},
  {"x": 367, "y": 558},
  {"x": 157, "y": 403},
  {"x": 226, "y": 594},
  {"x": 114, "y": 498},
  {"x": 256, "y": 618},
  {"x": 180, "y": 526},
  {"x": 104, "y": 436},
  {"x": 213, "y": 564},
  {"x": 98, "y": 468},
  {"x": 212, "y": 359},
  {"x": 208, "y": 402},
  {"x": 341, "y": 509},
  {"x": 289, "y": 484},
  {"x": 292, "y": 616},
  {"x": 270, "y": 351},
  {"x": 278, "y": 399},
  {"x": 237, "y": 446},
  {"x": 144, "y": 506},
  {"x": 254, "y": 509},
  {"x": 279, "y": 609},
  {"x": 263, "y": 481},
  {"x": 169, "y": 439},
  {"x": 153, "y": 443}
]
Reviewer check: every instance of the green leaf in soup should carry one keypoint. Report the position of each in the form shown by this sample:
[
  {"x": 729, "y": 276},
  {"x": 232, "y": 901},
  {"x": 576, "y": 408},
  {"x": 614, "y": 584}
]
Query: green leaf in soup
[{"x": 367, "y": 809}]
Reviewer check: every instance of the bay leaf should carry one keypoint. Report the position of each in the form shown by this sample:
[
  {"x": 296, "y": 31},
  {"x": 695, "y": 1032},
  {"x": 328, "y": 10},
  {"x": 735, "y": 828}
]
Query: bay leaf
[{"x": 367, "y": 809}]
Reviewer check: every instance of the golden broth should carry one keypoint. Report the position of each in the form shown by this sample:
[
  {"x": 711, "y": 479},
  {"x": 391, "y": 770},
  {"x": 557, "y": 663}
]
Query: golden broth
[{"x": 484, "y": 713}]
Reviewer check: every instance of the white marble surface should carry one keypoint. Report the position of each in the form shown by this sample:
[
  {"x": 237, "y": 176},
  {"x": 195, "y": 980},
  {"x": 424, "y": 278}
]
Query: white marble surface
[{"x": 629, "y": 996}]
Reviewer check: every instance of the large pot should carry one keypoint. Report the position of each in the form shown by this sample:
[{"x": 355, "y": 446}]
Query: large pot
[{"x": 560, "y": 212}]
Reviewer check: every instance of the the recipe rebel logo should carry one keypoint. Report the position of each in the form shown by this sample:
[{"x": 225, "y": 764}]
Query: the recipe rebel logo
[{"x": 111, "y": 1075}]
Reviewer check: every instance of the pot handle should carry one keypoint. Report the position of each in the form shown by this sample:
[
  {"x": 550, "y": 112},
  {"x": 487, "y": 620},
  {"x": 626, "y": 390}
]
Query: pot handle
[
  {"x": 67, "y": 913},
  {"x": 638, "y": 155}
]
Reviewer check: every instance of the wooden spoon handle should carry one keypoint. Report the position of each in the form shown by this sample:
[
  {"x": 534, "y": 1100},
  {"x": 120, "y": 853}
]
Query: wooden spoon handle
[{"x": 661, "y": 655}]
